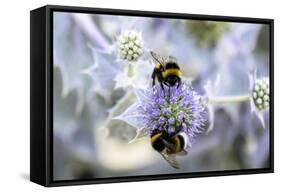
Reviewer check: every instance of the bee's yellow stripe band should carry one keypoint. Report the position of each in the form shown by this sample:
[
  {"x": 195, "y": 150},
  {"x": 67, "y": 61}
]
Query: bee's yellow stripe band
[
  {"x": 177, "y": 144},
  {"x": 155, "y": 137},
  {"x": 169, "y": 72}
]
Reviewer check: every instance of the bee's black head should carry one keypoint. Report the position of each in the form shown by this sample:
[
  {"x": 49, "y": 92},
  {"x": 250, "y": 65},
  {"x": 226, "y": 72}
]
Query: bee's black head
[{"x": 172, "y": 80}]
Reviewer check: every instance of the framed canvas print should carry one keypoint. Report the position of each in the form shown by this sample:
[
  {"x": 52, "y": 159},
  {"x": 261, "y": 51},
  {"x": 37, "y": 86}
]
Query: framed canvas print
[{"x": 123, "y": 95}]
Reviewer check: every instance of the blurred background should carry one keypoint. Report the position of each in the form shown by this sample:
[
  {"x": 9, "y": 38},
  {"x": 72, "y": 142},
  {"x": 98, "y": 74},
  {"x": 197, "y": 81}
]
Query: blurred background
[{"x": 88, "y": 143}]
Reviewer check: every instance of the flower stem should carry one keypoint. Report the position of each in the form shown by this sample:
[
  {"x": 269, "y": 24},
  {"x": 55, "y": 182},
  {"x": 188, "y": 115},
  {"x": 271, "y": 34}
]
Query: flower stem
[{"x": 229, "y": 99}]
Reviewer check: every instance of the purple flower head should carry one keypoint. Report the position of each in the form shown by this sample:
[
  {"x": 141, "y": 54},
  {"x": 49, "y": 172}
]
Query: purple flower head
[{"x": 173, "y": 109}]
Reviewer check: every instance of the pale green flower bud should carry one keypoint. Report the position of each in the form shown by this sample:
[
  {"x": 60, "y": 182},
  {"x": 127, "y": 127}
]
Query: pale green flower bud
[
  {"x": 130, "y": 46},
  {"x": 261, "y": 94}
]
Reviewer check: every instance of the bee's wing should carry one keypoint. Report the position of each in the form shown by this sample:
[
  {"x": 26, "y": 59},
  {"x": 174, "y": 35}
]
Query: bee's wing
[
  {"x": 169, "y": 145},
  {"x": 182, "y": 153},
  {"x": 157, "y": 58},
  {"x": 171, "y": 159}
]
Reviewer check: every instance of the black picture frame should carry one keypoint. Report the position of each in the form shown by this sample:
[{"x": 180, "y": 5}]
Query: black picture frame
[{"x": 41, "y": 94}]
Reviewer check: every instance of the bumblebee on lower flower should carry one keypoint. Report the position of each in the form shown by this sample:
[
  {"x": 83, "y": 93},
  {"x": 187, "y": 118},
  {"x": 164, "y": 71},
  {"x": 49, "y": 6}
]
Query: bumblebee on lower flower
[{"x": 170, "y": 145}]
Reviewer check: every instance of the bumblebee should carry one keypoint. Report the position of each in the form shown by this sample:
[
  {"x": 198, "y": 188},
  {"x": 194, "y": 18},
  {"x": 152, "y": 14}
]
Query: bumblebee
[
  {"x": 170, "y": 146},
  {"x": 166, "y": 71}
]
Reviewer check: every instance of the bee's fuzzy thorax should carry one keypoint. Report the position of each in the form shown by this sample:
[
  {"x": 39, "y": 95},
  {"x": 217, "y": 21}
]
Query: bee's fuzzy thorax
[{"x": 170, "y": 72}]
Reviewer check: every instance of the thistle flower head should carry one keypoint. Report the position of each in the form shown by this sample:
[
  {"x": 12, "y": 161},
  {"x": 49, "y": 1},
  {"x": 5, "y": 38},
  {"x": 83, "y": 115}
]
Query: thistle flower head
[
  {"x": 260, "y": 94},
  {"x": 130, "y": 45},
  {"x": 173, "y": 110}
]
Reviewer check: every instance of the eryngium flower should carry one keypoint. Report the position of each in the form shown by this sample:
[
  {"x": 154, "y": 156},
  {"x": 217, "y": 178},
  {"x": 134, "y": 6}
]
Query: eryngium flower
[
  {"x": 260, "y": 94},
  {"x": 130, "y": 45},
  {"x": 173, "y": 109}
]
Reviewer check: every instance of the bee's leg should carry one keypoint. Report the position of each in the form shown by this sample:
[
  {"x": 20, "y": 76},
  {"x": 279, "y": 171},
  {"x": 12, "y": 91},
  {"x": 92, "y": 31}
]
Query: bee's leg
[
  {"x": 162, "y": 87},
  {"x": 169, "y": 92},
  {"x": 160, "y": 79},
  {"x": 153, "y": 85},
  {"x": 153, "y": 77},
  {"x": 165, "y": 82},
  {"x": 179, "y": 82}
]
